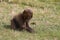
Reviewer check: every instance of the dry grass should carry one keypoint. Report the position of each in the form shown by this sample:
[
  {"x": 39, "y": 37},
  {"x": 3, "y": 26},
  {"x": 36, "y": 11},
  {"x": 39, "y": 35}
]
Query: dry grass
[{"x": 46, "y": 18}]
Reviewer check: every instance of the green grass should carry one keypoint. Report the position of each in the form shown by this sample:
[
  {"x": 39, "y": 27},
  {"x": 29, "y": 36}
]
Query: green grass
[{"x": 46, "y": 15}]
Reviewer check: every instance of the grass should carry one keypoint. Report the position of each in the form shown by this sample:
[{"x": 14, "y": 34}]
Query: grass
[{"x": 46, "y": 16}]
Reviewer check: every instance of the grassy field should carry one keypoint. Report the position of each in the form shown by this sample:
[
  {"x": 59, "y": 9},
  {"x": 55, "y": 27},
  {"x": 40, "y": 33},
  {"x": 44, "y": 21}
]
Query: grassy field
[{"x": 46, "y": 18}]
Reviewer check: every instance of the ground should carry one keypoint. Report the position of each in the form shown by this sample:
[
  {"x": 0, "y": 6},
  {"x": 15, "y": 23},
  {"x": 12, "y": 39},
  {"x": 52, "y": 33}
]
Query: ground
[{"x": 46, "y": 16}]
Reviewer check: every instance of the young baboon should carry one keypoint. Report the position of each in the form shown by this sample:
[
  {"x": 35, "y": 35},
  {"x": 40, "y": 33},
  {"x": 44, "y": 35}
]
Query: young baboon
[{"x": 21, "y": 20}]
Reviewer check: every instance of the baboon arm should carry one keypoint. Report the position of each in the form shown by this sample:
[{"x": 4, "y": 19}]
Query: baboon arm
[{"x": 29, "y": 29}]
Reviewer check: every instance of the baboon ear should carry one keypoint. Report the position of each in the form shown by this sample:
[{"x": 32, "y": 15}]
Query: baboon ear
[{"x": 24, "y": 11}]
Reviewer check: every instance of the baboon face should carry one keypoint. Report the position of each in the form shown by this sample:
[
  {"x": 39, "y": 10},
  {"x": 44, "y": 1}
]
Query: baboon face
[{"x": 27, "y": 14}]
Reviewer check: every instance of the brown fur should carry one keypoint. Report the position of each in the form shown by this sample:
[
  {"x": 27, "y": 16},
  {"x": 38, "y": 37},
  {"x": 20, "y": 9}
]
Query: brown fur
[{"x": 21, "y": 20}]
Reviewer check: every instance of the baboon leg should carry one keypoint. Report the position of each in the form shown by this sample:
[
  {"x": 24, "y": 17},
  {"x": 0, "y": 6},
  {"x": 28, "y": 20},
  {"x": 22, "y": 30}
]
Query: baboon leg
[
  {"x": 12, "y": 24},
  {"x": 21, "y": 28}
]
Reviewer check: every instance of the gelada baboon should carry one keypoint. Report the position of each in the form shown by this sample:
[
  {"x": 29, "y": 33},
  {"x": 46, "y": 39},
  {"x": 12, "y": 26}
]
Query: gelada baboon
[{"x": 21, "y": 20}]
